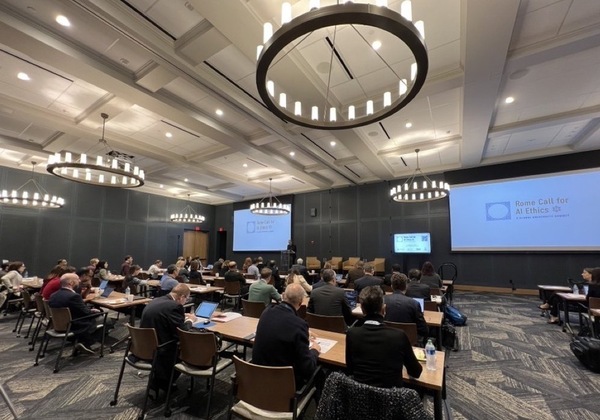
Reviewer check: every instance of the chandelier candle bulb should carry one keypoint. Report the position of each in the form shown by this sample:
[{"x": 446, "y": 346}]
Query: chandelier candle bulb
[
  {"x": 83, "y": 158},
  {"x": 332, "y": 114},
  {"x": 387, "y": 99},
  {"x": 127, "y": 167},
  {"x": 75, "y": 173},
  {"x": 99, "y": 161},
  {"x": 286, "y": 13},
  {"x": 369, "y": 107},
  {"x": 271, "y": 87},
  {"x": 314, "y": 4},
  {"x": 267, "y": 32},
  {"x": 351, "y": 112},
  {"x": 113, "y": 180},
  {"x": 420, "y": 25},
  {"x": 403, "y": 88},
  {"x": 258, "y": 51},
  {"x": 282, "y": 100},
  {"x": 298, "y": 108},
  {"x": 68, "y": 157},
  {"x": 406, "y": 10},
  {"x": 315, "y": 113},
  {"x": 413, "y": 71}
]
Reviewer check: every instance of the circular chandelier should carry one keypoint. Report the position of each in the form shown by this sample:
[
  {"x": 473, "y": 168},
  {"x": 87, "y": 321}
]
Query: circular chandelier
[
  {"x": 414, "y": 190},
  {"x": 187, "y": 215},
  {"x": 270, "y": 205},
  {"x": 329, "y": 113},
  {"x": 117, "y": 170},
  {"x": 38, "y": 197}
]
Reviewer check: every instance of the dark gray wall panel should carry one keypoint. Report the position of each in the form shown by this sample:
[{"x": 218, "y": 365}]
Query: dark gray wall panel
[
  {"x": 88, "y": 202},
  {"x": 54, "y": 242},
  {"x": 157, "y": 209},
  {"x": 157, "y": 243},
  {"x": 137, "y": 206},
  {"x": 19, "y": 238},
  {"x": 85, "y": 242},
  {"x": 112, "y": 244},
  {"x": 135, "y": 244},
  {"x": 116, "y": 203}
]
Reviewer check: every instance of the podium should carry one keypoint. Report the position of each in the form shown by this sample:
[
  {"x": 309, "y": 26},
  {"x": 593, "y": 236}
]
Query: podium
[{"x": 287, "y": 258}]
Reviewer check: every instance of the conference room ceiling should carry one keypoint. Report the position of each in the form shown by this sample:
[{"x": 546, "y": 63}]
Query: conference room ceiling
[{"x": 166, "y": 66}]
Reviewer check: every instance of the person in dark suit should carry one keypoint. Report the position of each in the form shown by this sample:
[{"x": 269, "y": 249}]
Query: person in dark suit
[
  {"x": 67, "y": 297},
  {"x": 368, "y": 279},
  {"x": 387, "y": 279},
  {"x": 375, "y": 353},
  {"x": 401, "y": 308},
  {"x": 282, "y": 337},
  {"x": 165, "y": 314},
  {"x": 415, "y": 288},
  {"x": 236, "y": 275},
  {"x": 330, "y": 300},
  {"x": 291, "y": 248},
  {"x": 355, "y": 273}
]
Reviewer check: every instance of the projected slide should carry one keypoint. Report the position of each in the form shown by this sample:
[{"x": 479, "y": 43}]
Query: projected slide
[
  {"x": 253, "y": 232},
  {"x": 412, "y": 243},
  {"x": 557, "y": 212}
]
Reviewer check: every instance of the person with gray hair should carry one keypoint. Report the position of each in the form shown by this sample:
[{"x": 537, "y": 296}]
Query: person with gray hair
[
  {"x": 282, "y": 337},
  {"x": 66, "y": 297},
  {"x": 329, "y": 299}
]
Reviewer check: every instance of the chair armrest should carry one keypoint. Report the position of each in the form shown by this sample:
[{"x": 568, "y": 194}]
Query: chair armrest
[
  {"x": 94, "y": 315},
  {"x": 309, "y": 384}
]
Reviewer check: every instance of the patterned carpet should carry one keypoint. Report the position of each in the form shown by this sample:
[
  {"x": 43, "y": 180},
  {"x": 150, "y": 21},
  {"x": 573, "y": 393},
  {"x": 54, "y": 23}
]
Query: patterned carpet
[{"x": 511, "y": 365}]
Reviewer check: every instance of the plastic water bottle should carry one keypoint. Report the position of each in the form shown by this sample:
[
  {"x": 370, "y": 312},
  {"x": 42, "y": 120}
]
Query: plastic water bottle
[
  {"x": 575, "y": 290},
  {"x": 127, "y": 292},
  {"x": 430, "y": 355}
]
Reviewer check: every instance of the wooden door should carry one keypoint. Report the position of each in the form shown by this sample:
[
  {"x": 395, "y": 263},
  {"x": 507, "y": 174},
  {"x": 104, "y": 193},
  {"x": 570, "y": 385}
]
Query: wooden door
[{"x": 195, "y": 243}]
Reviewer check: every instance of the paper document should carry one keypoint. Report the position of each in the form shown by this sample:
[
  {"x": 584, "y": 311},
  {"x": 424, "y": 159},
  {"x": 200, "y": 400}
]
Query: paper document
[
  {"x": 325, "y": 344},
  {"x": 225, "y": 316}
]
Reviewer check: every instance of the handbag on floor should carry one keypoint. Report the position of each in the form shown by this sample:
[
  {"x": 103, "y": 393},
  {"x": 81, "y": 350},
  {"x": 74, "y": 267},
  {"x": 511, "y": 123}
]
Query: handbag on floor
[{"x": 587, "y": 350}]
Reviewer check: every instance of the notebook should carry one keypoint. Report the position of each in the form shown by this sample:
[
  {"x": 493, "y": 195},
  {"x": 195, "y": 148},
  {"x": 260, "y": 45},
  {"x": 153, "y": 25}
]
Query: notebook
[
  {"x": 204, "y": 313},
  {"x": 107, "y": 292},
  {"x": 103, "y": 284},
  {"x": 421, "y": 303}
]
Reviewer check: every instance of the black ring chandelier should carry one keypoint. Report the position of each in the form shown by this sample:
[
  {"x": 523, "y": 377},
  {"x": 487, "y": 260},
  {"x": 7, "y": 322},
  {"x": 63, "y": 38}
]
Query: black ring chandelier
[{"x": 328, "y": 117}]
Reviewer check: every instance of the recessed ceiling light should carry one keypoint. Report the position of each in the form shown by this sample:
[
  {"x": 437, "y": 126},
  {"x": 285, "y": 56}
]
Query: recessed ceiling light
[
  {"x": 292, "y": 153},
  {"x": 63, "y": 20},
  {"x": 509, "y": 100},
  {"x": 161, "y": 186},
  {"x": 376, "y": 45},
  {"x": 185, "y": 180},
  {"x": 219, "y": 112},
  {"x": 23, "y": 76},
  {"x": 245, "y": 165},
  {"x": 168, "y": 134},
  {"x": 332, "y": 143},
  {"x": 408, "y": 125}
]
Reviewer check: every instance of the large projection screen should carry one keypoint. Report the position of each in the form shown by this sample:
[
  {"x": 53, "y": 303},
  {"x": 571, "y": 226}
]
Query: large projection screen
[
  {"x": 554, "y": 212},
  {"x": 254, "y": 232}
]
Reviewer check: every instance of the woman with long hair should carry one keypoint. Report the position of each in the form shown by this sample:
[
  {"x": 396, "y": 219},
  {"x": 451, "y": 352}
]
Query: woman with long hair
[
  {"x": 429, "y": 276},
  {"x": 296, "y": 277}
]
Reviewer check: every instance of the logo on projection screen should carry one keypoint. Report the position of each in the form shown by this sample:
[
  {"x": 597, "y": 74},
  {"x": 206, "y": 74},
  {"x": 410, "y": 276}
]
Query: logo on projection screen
[
  {"x": 497, "y": 211},
  {"x": 250, "y": 227}
]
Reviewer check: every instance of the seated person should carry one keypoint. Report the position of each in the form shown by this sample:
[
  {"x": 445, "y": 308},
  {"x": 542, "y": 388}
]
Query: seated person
[
  {"x": 131, "y": 280},
  {"x": 262, "y": 291},
  {"x": 169, "y": 279},
  {"x": 85, "y": 330},
  {"x": 355, "y": 273},
  {"x": 52, "y": 281},
  {"x": 429, "y": 276},
  {"x": 368, "y": 279},
  {"x": 11, "y": 282},
  {"x": 233, "y": 274},
  {"x": 195, "y": 273},
  {"x": 401, "y": 308},
  {"x": 282, "y": 337},
  {"x": 102, "y": 271},
  {"x": 296, "y": 277},
  {"x": 253, "y": 270},
  {"x": 275, "y": 277},
  {"x": 591, "y": 276},
  {"x": 155, "y": 270},
  {"x": 415, "y": 288},
  {"x": 396, "y": 268},
  {"x": 330, "y": 300},
  {"x": 182, "y": 272},
  {"x": 375, "y": 353},
  {"x": 165, "y": 314}
]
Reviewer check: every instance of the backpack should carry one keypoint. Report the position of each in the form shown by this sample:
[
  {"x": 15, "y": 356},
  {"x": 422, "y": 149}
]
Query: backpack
[
  {"x": 587, "y": 350},
  {"x": 455, "y": 316},
  {"x": 449, "y": 338}
]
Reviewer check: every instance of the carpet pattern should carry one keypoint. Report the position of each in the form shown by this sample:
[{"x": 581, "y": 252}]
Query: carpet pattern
[{"x": 511, "y": 365}]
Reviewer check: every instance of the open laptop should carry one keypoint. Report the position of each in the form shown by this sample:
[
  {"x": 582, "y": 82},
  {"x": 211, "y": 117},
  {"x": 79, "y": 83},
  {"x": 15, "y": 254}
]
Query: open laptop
[
  {"x": 421, "y": 303},
  {"x": 339, "y": 277},
  {"x": 107, "y": 291},
  {"x": 103, "y": 284},
  {"x": 204, "y": 314}
]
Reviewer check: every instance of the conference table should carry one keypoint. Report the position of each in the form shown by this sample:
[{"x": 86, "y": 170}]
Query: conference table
[
  {"x": 118, "y": 301},
  {"x": 241, "y": 330},
  {"x": 566, "y": 299}
]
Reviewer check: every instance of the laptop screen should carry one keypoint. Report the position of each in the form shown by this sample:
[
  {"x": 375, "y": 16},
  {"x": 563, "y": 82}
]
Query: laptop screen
[
  {"x": 103, "y": 284},
  {"x": 206, "y": 309},
  {"x": 339, "y": 277},
  {"x": 107, "y": 291},
  {"x": 421, "y": 303}
]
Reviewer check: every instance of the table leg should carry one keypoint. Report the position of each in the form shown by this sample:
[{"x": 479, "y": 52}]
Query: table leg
[
  {"x": 437, "y": 405},
  {"x": 439, "y": 339},
  {"x": 566, "y": 323}
]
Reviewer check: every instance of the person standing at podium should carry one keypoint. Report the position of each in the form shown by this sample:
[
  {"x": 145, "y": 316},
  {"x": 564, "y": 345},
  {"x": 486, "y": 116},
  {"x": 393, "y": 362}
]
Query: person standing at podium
[{"x": 291, "y": 248}]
